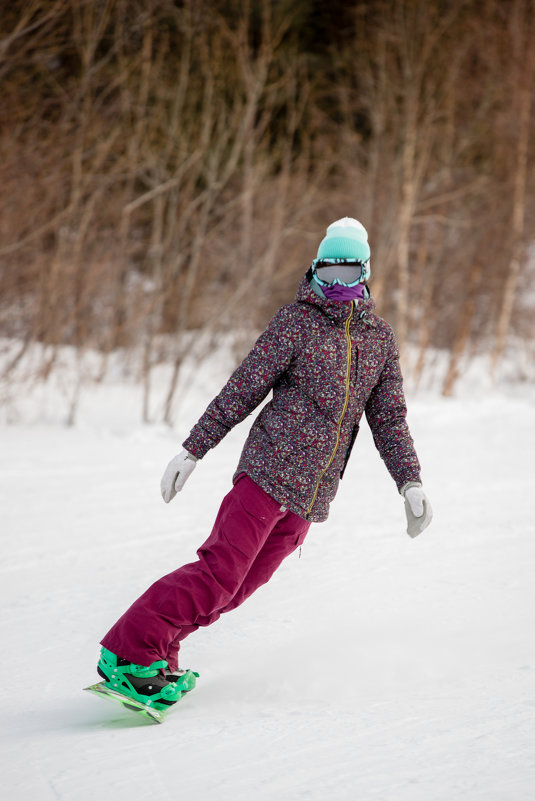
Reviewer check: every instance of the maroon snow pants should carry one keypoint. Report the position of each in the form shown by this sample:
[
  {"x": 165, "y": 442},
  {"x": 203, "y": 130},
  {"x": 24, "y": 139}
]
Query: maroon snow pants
[{"x": 251, "y": 536}]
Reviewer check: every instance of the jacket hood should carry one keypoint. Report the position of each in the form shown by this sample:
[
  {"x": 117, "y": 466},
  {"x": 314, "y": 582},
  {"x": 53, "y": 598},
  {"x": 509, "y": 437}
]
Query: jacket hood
[{"x": 335, "y": 309}]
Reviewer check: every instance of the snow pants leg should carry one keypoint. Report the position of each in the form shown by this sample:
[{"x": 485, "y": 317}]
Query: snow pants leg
[{"x": 251, "y": 536}]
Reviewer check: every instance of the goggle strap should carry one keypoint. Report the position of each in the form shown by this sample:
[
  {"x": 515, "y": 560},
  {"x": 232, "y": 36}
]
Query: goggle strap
[{"x": 329, "y": 262}]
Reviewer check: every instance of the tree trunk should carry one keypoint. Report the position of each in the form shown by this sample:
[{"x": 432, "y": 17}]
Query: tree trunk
[{"x": 525, "y": 95}]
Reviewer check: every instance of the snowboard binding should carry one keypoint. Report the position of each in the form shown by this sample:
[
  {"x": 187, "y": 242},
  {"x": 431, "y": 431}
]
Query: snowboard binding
[{"x": 149, "y": 690}]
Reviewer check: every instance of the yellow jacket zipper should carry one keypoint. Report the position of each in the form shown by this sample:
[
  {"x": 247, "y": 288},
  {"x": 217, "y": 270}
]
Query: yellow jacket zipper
[{"x": 344, "y": 409}]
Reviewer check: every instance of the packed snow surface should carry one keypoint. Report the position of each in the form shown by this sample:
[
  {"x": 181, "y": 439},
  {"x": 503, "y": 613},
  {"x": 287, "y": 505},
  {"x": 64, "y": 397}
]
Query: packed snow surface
[{"x": 371, "y": 667}]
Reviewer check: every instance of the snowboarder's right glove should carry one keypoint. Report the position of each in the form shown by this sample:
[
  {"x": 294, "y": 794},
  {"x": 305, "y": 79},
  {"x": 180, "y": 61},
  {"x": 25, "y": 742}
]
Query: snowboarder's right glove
[
  {"x": 417, "y": 508},
  {"x": 176, "y": 474}
]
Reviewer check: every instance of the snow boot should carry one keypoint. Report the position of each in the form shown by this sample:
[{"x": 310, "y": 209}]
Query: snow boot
[{"x": 149, "y": 685}]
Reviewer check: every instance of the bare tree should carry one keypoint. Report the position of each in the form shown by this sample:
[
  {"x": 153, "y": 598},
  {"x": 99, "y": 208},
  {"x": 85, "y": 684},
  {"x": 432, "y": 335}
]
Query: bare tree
[
  {"x": 167, "y": 167},
  {"x": 522, "y": 61}
]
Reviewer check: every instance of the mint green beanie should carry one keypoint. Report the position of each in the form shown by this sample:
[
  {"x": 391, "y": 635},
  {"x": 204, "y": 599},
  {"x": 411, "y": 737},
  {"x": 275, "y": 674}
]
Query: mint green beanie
[{"x": 345, "y": 239}]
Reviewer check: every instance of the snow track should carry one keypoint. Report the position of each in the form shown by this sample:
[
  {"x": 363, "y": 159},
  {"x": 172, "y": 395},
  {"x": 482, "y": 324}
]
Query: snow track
[{"x": 373, "y": 667}]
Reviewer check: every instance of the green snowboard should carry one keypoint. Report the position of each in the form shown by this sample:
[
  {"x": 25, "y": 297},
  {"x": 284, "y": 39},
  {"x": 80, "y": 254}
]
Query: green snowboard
[{"x": 187, "y": 682}]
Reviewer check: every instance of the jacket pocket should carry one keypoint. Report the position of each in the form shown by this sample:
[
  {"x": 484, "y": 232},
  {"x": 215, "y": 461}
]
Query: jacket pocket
[{"x": 349, "y": 448}]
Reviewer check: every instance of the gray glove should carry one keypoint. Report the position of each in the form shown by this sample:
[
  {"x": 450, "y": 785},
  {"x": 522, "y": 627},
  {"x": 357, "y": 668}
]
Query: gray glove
[
  {"x": 176, "y": 474},
  {"x": 417, "y": 508}
]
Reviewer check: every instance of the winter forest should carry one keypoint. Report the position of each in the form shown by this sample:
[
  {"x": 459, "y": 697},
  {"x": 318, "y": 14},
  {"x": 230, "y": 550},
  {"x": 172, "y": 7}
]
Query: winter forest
[{"x": 168, "y": 170}]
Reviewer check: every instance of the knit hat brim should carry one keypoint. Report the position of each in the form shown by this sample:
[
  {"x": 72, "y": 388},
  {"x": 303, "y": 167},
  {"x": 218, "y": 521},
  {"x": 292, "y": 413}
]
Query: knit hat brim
[{"x": 340, "y": 247}]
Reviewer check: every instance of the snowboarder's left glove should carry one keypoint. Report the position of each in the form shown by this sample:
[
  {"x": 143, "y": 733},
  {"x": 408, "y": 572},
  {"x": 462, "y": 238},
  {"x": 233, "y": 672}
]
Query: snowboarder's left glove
[
  {"x": 417, "y": 508},
  {"x": 176, "y": 474}
]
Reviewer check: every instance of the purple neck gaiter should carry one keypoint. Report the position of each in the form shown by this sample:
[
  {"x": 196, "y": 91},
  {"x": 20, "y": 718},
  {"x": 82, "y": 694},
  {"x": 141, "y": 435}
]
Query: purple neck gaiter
[{"x": 342, "y": 292}]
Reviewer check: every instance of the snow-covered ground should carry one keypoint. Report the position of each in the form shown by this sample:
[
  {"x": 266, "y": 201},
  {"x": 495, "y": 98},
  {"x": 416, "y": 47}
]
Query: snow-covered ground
[{"x": 373, "y": 668}]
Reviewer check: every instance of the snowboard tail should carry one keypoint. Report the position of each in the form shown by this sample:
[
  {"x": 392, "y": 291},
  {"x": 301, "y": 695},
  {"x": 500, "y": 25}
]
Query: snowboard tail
[{"x": 186, "y": 683}]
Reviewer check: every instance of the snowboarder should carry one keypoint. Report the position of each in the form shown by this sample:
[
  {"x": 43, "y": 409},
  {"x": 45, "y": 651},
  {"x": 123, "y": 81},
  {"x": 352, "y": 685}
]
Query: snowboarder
[{"x": 328, "y": 358}]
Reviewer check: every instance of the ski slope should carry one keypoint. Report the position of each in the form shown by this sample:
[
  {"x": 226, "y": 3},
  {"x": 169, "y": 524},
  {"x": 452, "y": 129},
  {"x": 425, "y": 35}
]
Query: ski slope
[{"x": 371, "y": 668}]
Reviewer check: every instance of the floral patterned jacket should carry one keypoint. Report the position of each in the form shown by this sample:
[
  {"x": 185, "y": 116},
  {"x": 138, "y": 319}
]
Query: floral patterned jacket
[{"x": 327, "y": 362}]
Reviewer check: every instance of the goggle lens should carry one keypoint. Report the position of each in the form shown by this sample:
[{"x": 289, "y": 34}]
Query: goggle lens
[
  {"x": 340, "y": 271},
  {"x": 348, "y": 274}
]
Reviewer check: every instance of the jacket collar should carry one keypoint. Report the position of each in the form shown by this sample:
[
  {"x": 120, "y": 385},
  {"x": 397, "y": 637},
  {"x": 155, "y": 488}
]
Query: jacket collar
[{"x": 335, "y": 309}]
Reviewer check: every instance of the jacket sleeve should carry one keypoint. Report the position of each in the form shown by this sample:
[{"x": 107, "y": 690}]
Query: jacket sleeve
[
  {"x": 386, "y": 414},
  {"x": 247, "y": 387}
]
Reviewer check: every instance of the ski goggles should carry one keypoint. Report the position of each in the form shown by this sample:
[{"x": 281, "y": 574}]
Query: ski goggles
[{"x": 340, "y": 271}]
